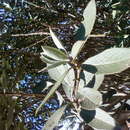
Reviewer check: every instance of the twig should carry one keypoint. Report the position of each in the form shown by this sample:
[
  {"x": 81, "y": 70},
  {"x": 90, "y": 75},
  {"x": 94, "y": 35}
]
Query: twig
[
  {"x": 30, "y": 34},
  {"x": 46, "y": 33},
  {"x": 36, "y": 43},
  {"x": 98, "y": 35},
  {"x": 32, "y": 4},
  {"x": 23, "y": 95}
]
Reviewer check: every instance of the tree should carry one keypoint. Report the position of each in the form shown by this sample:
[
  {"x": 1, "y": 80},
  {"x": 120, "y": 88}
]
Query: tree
[{"x": 21, "y": 59}]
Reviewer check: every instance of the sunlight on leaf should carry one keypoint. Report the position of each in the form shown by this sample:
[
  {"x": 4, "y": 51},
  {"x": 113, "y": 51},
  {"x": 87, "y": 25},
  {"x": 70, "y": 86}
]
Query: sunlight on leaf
[
  {"x": 57, "y": 42},
  {"x": 90, "y": 98},
  {"x": 77, "y": 47},
  {"x": 68, "y": 82},
  {"x": 87, "y": 24},
  {"x": 102, "y": 121},
  {"x": 85, "y": 28},
  {"x": 110, "y": 61}
]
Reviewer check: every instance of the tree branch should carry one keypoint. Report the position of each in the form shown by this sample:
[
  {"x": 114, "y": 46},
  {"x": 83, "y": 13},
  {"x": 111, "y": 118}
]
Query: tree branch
[
  {"x": 30, "y": 34},
  {"x": 23, "y": 95}
]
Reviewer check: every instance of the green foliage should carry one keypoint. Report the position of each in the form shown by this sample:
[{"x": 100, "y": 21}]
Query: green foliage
[
  {"x": 87, "y": 96},
  {"x": 8, "y": 105},
  {"x": 20, "y": 43}
]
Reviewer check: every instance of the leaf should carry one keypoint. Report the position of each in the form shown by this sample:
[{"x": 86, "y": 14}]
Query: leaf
[
  {"x": 54, "y": 53},
  {"x": 90, "y": 80},
  {"x": 90, "y": 98},
  {"x": 52, "y": 66},
  {"x": 57, "y": 42},
  {"x": 85, "y": 28},
  {"x": 47, "y": 59},
  {"x": 88, "y": 22},
  {"x": 98, "y": 81},
  {"x": 48, "y": 84},
  {"x": 54, "y": 119},
  {"x": 68, "y": 82},
  {"x": 110, "y": 61},
  {"x": 87, "y": 115},
  {"x": 89, "y": 17},
  {"x": 60, "y": 98},
  {"x": 53, "y": 89},
  {"x": 77, "y": 48},
  {"x": 102, "y": 120}
]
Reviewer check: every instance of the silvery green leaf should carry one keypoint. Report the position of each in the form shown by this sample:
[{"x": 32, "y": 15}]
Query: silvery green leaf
[
  {"x": 53, "y": 89},
  {"x": 128, "y": 102},
  {"x": 89, "y": 17},
  {"x": 47, "y": 59},
  {"x": 90, "y": 80},
  {"x": 110, "y": 61},
  {"x": 48, "y": 84},
  {"x": 88, "y": 22},
  {"x": 54, "y": 119},
  {"x": 90, "y": 98},
  {"x": 85, "y": 28},
  {"x": 102, "y": 121},
  {"x": 68, "y": 82},
  {"x": 51, "y": 66},
  {"x": 57, "y": 42},
  {"x": 54, "y": 53},
  {"x": 60, "y": 98},
  {"x": 98, "y": 81},
  {"x": 77, "y": 48}
]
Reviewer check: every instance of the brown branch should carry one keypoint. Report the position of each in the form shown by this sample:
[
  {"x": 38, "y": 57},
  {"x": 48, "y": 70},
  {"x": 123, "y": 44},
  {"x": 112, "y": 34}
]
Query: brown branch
[
  {"x": 25, "y": 95},
  {"x": 36, "y": 43}
]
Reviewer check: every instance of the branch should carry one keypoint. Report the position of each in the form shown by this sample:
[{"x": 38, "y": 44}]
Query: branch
[
  {"x": 46, "y": 33},
  {"x": 23, "y": 95},
  {"x": 30, "y": 34},
  {"x": 36, "y": 43},
  {"x": 98, "y": 35}
]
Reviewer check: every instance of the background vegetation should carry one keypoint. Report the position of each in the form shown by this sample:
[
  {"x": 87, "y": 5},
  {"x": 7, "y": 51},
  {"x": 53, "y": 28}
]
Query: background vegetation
[{"x": 24, "y": 28}]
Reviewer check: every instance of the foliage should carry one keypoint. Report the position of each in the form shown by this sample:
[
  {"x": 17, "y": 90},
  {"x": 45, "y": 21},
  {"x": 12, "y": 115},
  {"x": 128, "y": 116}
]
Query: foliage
[
  {"x": 24, "y": 27},
  {"x": 85, "y": 98}
]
